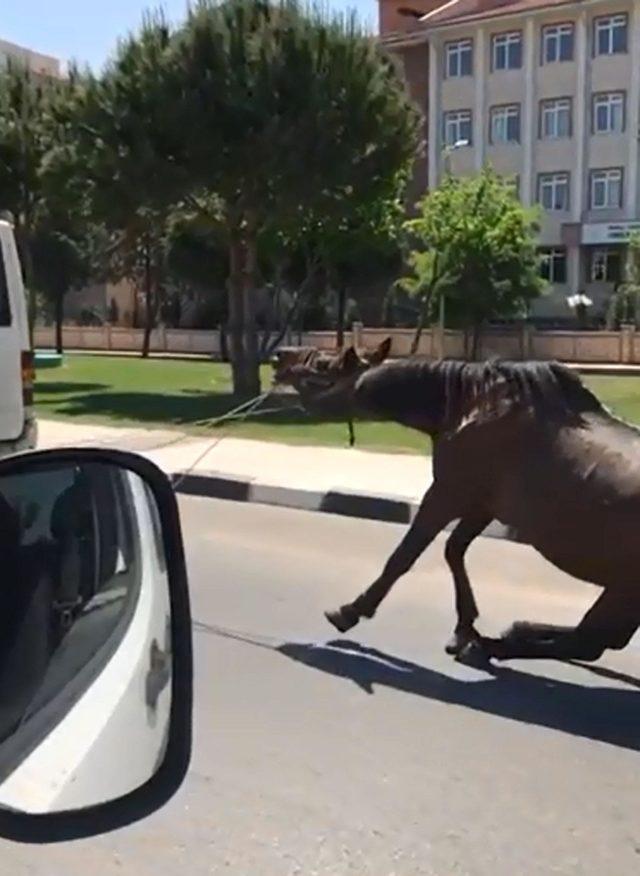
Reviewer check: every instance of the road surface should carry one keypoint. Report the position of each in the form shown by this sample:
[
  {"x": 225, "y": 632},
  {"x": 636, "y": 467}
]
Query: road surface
[{"x": 382, "y": 757}]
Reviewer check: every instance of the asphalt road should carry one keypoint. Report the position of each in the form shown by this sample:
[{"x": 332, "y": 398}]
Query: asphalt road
[{"x": 383, "y": 757}]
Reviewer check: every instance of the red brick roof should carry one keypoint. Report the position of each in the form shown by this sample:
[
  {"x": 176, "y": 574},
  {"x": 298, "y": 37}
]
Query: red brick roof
[{"x": 456, "y": 11}]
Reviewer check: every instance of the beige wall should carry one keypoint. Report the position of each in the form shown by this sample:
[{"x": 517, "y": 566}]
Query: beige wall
[{"x": 606, "y": 347}]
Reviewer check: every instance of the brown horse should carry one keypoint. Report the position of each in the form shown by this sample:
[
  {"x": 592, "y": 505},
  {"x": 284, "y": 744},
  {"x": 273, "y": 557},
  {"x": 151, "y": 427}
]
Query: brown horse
[{"x": 524, "y": 443}]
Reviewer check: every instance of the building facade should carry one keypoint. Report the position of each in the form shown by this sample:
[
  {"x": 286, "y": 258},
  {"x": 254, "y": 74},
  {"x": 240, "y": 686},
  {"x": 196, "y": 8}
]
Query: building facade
[
  {"x": 43, "y": 65},
  {"x": 548, "y": 93}
]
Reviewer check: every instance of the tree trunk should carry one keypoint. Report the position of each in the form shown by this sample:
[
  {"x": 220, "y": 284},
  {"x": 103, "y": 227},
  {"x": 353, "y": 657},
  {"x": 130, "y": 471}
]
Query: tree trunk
[
  {"x": 294, "y": 308},
  {"x": 236, "y": 313},
  {"x": 342, "y": 307},
  {"x": 476, "y": 337},
  {"x": 251, "y": 347},
  {"x": 422, "y": 315},
  {"x": 224, "y": 349},
  {"x": 387, "y": 314},
  {"x": 245, "y": 358},
  {"x": 59, "y": 318},
  {"x": 148, "y": 299},
  {"x": 424, "y": 307}
]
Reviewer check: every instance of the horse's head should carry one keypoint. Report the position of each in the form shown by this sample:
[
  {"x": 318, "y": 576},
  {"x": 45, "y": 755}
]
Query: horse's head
[{"x": 326, "y": 382}]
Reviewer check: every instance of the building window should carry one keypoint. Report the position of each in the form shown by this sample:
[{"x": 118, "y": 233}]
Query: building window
[
  {"x": 606, "y": 265},
  {"x": 557, "y": 43},
  {"x": 507, "y": 51},
  {"x": 610, "y": 35},
  {"x": 555, "y": 118},
  {"x": 606, "y": 189},
  {"x": 458, "y": 59},
  {"x": 608, "y": 112},
  {"x": 505, "y": 124},
  {"x": 457, "y": 128},
  {"x": 553, "y": 191},
  {"x": 553, "y": 264}
]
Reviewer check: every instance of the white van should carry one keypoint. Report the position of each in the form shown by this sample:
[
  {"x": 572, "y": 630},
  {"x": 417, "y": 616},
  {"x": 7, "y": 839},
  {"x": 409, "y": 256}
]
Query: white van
[{"x": 18, "y": 428}]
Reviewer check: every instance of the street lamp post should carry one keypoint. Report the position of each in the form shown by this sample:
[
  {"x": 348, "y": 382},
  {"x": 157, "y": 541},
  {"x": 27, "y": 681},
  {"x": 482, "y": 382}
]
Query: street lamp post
[{"x": 446, "y": 163}]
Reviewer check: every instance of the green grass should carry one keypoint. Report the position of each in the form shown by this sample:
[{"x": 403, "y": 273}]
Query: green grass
[
  {"x": 185, "y": 395},
  {"x": 166, "y": 393}
]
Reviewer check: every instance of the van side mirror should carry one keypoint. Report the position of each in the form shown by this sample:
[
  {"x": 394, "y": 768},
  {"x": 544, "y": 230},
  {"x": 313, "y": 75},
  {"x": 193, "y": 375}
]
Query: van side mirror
[{"x": 95, "y": 644}]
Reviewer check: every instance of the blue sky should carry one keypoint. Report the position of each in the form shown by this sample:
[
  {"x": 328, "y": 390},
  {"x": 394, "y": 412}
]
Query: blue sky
[{"x": 87, "y": 30}]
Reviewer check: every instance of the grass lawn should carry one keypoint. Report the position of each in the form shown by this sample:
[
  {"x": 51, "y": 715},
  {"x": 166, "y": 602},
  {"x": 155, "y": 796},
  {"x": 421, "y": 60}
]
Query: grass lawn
[
  {"x": 185, "y": 395},
  {"x": 171, "y": 393}
]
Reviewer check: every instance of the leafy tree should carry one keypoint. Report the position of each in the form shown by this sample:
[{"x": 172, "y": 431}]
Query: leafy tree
[
  {"x": 117, "y": 140},
  {"x": 284, "y": 113},
  {"x": 359, "y": 247},
  {"x": 624, "y": 306},
  {"x": 26, "y": 101},
  {"x": 422, "y": 286},
  {"x": 473, "y": 243}
]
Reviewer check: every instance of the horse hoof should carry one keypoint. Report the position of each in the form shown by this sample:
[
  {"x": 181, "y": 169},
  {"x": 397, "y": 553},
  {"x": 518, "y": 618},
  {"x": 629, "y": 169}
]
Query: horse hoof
[
  {"x": 459, "y": 641},
  {"x": 474, "y": 655},
  {"x": 342, "y": 619}
]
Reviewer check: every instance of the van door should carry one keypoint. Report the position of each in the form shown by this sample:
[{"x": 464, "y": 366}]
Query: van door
[{"x": 11, "y": 399}]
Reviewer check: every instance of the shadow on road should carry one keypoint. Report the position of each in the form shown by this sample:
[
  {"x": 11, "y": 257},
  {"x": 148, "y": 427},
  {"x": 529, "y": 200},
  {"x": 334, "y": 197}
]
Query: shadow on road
[{"x": 605, "y": 714}]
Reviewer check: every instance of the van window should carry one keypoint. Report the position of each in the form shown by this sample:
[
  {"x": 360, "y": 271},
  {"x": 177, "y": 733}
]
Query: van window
[{"x": 5, "y": 306}]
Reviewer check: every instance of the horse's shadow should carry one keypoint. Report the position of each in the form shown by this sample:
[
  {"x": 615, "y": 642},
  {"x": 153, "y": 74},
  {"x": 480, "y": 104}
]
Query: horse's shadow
[{"x": 609, "y": 715}]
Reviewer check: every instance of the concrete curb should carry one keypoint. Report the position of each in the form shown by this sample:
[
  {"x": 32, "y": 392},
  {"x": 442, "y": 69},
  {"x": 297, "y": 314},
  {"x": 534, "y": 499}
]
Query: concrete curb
[{"x": 387, "y": 509}]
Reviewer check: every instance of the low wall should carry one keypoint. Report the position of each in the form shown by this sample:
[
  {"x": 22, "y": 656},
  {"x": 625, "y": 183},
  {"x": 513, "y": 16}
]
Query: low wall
[{"x": 565, "y": 346}]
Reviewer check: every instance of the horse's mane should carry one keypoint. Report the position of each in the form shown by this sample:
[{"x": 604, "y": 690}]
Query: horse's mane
[{"x": 486, "y": 389}]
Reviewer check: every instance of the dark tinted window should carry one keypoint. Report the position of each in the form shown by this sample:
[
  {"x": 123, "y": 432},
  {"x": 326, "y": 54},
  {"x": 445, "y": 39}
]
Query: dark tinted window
[{"x": 5, "y": 306}]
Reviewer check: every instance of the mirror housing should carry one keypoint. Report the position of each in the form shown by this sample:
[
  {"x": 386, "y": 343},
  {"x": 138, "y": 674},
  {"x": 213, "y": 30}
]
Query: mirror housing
[{"x": 169, "y": 671}]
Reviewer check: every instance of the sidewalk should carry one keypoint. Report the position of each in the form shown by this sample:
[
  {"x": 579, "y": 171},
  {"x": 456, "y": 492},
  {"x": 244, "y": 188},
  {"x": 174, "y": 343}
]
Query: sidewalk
[{"x": 354, "y": 483}]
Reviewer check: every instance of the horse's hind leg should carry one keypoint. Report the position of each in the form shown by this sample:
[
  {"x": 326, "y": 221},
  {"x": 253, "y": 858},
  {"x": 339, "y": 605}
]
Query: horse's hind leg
[
  {"x": 610, "y": 623},
  {"x": 459, "y": 541}
]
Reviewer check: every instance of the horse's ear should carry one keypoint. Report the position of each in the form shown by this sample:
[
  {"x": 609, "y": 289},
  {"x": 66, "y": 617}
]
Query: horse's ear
[
  {"x": 377, "y": 356},
  {"x": 349, "y": 360}
]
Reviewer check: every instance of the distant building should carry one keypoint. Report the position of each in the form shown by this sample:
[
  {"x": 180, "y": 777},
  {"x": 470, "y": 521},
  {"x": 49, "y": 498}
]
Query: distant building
[
  {"x": 35, "y": 61},
  {"x": 548, "y": 92}
]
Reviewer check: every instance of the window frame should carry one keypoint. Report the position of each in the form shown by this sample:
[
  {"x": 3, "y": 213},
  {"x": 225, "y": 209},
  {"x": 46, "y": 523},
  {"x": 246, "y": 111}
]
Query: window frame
[
  {"x": 553, "y": 253},
  {"x": 566, "y": 175},
  {"x": 545, "y": 32},
  {"x": 506, "y": 108},
  {"x": 541, "y": 115},
  {"x": 606, "y": 251},
  {"x": 598, "y": 23},
  {"x": 606, "y": 170},
  {"x": 505, "y": 35},
  {"x": 609, "y": 94},
  {"x": 446, "y": 118},
  {"x": 455, "y": 48}
]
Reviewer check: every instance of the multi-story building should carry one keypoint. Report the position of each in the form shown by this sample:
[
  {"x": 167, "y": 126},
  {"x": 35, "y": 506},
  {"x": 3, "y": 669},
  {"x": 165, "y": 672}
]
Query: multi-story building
[
  {"x": 44, "y": 65},
  {"x": 548, "y": 93}
]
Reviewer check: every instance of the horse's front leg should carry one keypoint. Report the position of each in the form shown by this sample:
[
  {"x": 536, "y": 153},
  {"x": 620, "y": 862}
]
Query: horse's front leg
[
  {"x": 434, "y": 513},
  {"x": 610, "y": 623}
]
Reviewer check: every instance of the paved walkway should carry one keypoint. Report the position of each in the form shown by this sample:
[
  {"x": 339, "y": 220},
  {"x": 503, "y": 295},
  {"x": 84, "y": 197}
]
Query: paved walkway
[{"x": 318, "y": 469}]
